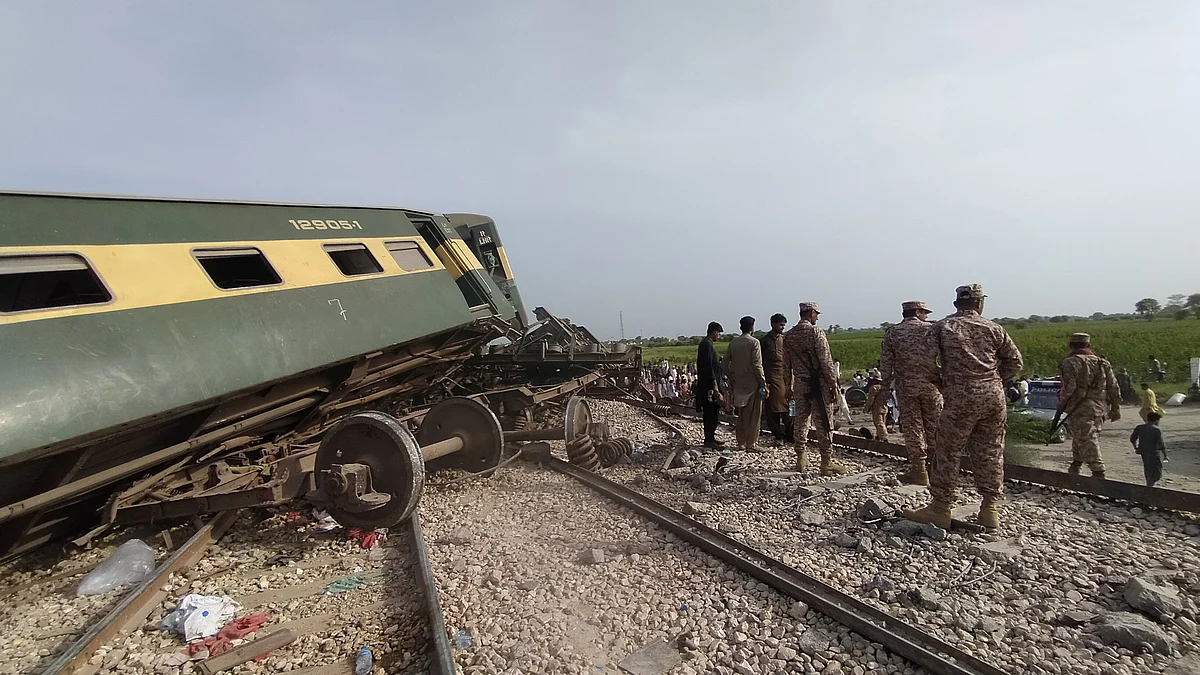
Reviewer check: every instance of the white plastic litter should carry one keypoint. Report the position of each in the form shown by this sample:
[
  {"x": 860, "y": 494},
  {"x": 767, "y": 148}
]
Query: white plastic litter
[
  {"x": 200, "y": 616},
  {"x": 1176, "y": 399},
  {"x": 131, "y": 563}
]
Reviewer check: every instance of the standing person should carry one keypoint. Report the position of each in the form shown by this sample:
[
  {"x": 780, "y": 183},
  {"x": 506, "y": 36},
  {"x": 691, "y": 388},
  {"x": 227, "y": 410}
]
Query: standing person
[
  {"x": 1149, "y": 404},
  {"x": 708, "y": 384},
  {"x": 877, "y": 398},
  {"x": 1089, "y": 393},
  {"x": 1147, "y": 441},
  {"x": 908, "y": 362},
  {"x": 809, "y": 369},
  {"x": 1158, "y": 369},
  {"x": 1125, "y": 384},
  {"x": 776, "y": 405},
  {"x": 744, "y": 366},
  {"x": 977, "y": 357},
  {"x": 843, "y": 408}
]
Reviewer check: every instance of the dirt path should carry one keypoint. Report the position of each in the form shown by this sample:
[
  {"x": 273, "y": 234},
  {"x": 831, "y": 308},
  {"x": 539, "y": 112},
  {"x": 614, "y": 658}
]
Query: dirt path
[{"x": 1181, "y": 431}]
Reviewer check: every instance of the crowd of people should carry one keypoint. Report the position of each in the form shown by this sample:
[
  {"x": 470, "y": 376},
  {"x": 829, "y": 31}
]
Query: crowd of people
[{"x": 948, "y": 379}]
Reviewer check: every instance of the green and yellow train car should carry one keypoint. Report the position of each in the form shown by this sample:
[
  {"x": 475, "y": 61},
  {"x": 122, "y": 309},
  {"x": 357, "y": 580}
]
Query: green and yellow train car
[{"x": 130, "y": 325}]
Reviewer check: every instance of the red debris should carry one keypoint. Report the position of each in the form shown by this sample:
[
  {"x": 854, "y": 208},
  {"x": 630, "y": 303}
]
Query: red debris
[{"x": 223, "y": 640}]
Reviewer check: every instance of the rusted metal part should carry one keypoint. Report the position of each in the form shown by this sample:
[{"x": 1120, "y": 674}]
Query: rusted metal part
[
  {"x": 82, "y": 486},
  {"x": 441, "y": 660},
  {"x": 388, "y": 454},
  {"x": 923, "y": 649},
  {"x": 138, "y": 603}
]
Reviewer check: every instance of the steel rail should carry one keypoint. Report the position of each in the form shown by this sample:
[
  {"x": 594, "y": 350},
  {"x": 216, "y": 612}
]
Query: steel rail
[
  {"x": 133, "y": 608},
  {"x": 441, "y": 661},
  {"x": 1162, "y": 498},
  {"x": 917, "y": 646}
]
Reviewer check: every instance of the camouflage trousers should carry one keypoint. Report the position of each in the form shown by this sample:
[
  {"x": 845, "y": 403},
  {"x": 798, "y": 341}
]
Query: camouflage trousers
[
  {"x": 805, "y": 409},
  {"x": 920, "y": 408},
  {"x": 972, "y": 423},
  {"x": 879, "y": 417},
  {"x": 1084, "y": 425}
]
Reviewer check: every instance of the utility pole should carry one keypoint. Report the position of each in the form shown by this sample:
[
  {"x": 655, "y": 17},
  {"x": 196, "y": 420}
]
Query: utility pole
[{"x": 622, "y": 315}]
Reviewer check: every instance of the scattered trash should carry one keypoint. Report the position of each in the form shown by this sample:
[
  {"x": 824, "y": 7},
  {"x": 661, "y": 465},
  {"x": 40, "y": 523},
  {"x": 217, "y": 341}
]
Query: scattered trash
[
  {"x": 368, "y": 540},
  {"x": 639, "y": 448},
  {"x": 463, "y": 639},
  {"x": 200, "y": 616},
  {"x": 1176, "y": 399},
  {"x": 364, "y": 662},
  {"x": 256, "y": 650},
  {"x": 349, "y": 584},
  {"x": 324, "y": 521},
  {"x": 281, "y": 559},
  {"x": 223, "y": 640},
  {"x": 131, "y": 563}
]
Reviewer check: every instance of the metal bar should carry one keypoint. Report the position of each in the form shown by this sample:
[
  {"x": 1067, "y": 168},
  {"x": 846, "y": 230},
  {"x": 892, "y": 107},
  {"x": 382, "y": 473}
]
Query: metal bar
[
  {"x": 441, "y": 661},
  {"x": 136, "y": 605},
  {"x": 921, "y": 648},
  {"x": 84, "y": 485},
  {"x": 442, "y": 448},
  {"x": 557, "y": 434}
]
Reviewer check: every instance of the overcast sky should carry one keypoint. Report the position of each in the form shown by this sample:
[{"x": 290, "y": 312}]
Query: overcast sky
[{"x": 679, "y": 161}]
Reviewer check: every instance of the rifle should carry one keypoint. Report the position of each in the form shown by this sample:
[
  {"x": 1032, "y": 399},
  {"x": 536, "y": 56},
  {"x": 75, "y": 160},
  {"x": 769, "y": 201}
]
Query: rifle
[{"x": 1059, "y": 418}]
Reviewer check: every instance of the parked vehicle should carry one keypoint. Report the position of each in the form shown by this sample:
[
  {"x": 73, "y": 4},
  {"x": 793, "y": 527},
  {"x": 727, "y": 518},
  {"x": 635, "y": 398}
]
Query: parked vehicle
[{"x": 1041, "y": 403}]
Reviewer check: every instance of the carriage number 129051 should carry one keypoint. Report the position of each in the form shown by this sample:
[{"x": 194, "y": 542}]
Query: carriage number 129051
[{"x": 325, "y": 224}]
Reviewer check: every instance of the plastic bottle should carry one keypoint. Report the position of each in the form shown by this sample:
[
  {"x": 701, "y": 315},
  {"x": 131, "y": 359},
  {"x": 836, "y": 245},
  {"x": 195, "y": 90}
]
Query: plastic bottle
[
  {"x": 791, "y": 408},
  {"x": 365, "y": 662}
]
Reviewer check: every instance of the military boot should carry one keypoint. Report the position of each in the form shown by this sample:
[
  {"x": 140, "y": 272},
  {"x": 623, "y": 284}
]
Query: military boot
[
  {"x": 1074, "y": 468},
  {"x": 916, "y": 474},
  {"x": 938, "y": 513},
  {"x": 801, "y": 460},
  {"x": 830, "y": 467},
  {"x": 989, "y": 515}
]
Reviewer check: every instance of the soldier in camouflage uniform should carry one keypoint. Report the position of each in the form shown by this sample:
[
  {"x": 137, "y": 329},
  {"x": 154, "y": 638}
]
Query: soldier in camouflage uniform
[
  {"x": 808, "y": 366},
  {"x": 1089, "y": 394},
  {"x": 908, "y": 361},
  {"x": 977, "y": 358},
  {"x": 877, "y": 396}
]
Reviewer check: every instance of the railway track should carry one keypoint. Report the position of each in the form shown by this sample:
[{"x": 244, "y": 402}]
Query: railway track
[
  {"x": 1162, "y": 498},
  {"x": 933, "y": 654},
  {"x": 321, "y": 606}
]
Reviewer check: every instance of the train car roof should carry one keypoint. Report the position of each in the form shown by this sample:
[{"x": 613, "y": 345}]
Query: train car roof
[
  {"x": 196, "y": 200},
  {"x": 468, "y": 219}
]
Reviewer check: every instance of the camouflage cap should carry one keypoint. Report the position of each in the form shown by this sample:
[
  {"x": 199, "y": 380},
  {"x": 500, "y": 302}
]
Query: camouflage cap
[
  {"x": 970, "y": 292},
  {"x": 1081, "y": 339},
  {"x": 914, "y": 305},
  {"x": 809, "y": 307}
]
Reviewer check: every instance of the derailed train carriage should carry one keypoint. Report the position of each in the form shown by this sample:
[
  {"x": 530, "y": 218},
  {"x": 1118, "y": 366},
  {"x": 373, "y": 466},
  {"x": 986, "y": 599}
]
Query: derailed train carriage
[{"x": 143, "y": 336}]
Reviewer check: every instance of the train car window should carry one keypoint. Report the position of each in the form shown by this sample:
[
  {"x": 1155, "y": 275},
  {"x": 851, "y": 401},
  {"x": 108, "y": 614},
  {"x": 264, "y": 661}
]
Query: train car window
[
  {"x": 353, "y": 259},
  {"x": 408, "y": 255},
  {"x": 30, "y": 282},
  {"x": 231, "y": 268}
]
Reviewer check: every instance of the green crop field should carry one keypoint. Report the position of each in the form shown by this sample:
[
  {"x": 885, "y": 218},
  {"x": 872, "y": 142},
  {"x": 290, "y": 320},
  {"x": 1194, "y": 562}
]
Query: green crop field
[{"x": 1125, "y": 343}]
